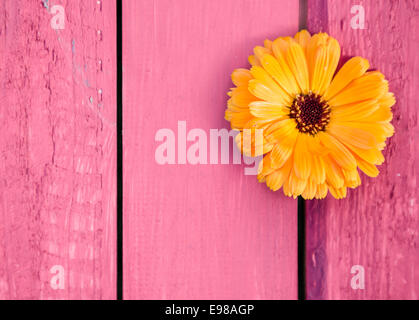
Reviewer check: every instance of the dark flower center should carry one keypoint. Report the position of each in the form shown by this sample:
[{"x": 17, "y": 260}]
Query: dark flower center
[{"x": 311, "y": 113}]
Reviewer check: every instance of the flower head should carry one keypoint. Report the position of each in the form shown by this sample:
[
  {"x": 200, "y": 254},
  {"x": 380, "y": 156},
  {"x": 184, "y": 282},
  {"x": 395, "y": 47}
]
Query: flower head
[{"x": 319, "y": 126}]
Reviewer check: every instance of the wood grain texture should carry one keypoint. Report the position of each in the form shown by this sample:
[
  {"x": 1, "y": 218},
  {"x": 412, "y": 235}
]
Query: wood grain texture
[
  {"x": 377, "y": 225},
  {"x": 198, "y": 231},
  {"x": 57, "y": 147}
]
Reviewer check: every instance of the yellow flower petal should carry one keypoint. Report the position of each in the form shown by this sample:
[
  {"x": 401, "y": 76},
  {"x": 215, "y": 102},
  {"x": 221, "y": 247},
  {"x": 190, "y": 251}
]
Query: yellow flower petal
[
  {"x": 265, "y": 168},
  {"x": 241, "y": 97},
  {"x": 370, "y": 86},
  {"x": 298, "y": 65},
  {"x": 351, "y": 70},
  {"x": 321, "y": 192},
  {"x": 315, "y": 146},
  {"x": 388, "y": 128},
  {"x": 276, "y": 179},
  {"x": 338, "y": 151},
  {"x": 297, "y": 185},
  {"x": 254, "y": 61},
  {"x": 280, "y": 46},
  {"x": 334, "y": 175},
  {"x": 368, "y": 168},
  {"x": 318, "y": 171},
  {"x": 260, "y": 52},
  {"x": 238, "y": 119},
  {"x": 280, "y": 71},
  {"x": 252, "y": 145},
  {"x": 268, "y": 44},
  {"x": 388, "y": 100},
  {"x": 354, "y": 111},
  {"x": 280, "y": 154},
  {"x": 352, "y": 135},
  {"x": 259, "y": 123},
  {"x": 326, "y": 59},
  {"x": 338, "y": 193},
  {"x": 373, "y": 156},
  {"x": 303, "y": 37},
  {"x": 266, "y": 92},
  {"x": 302, "y": 163},
  {"x": 352, "y": 179},
  {"x": 380, "y": 131},
  {"x": 283, "y": 132},
  {"x": 382, "y": 114},
  {"x": 280, "y": 94},
  {"x": 310, "y": 190},
  {"x": 241, "y": 77},
  {"x": 286, "y": 188},
  {"x": 268, "y": 110},
  {"x": 315, "y": 42}
]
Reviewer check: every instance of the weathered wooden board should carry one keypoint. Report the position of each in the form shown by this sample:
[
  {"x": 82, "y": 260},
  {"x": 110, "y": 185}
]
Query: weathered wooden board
[
  {"x": 58, "y": 150},
  {"x": 377, "y": 225},
  {"x": 198, "y": 231}
]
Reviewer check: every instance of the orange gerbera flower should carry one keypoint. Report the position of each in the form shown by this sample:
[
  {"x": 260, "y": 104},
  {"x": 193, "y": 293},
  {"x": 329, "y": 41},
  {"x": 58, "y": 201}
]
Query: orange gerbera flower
[{"x": 318, "y": 127}]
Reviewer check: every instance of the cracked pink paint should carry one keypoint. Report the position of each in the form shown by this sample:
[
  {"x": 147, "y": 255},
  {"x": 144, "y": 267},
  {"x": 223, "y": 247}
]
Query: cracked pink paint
[{"x": 57, "y": 147}]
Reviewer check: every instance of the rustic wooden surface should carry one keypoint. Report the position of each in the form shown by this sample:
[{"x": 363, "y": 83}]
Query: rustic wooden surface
[
  {"x": 190, "y": 231},
  {"x": 58, "y": 150},
  {"x": 198, "y": 231},
  {"x": 377, "y": 225}
]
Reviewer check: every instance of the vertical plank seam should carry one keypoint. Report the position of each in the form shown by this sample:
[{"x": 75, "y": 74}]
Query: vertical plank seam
[
  {"x": 301, "y": 249},
  {"x": 301, "y": 233},
  {"x": 302, "y": 15},
  {"x": 119, "y": 282}
]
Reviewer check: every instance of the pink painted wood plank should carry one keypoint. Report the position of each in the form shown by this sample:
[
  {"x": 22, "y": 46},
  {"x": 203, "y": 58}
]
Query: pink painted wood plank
[
  {"x": 198, "y": 231},
  {"x": 57, "y": 147},
  {"x": 377, "y": 225}
]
